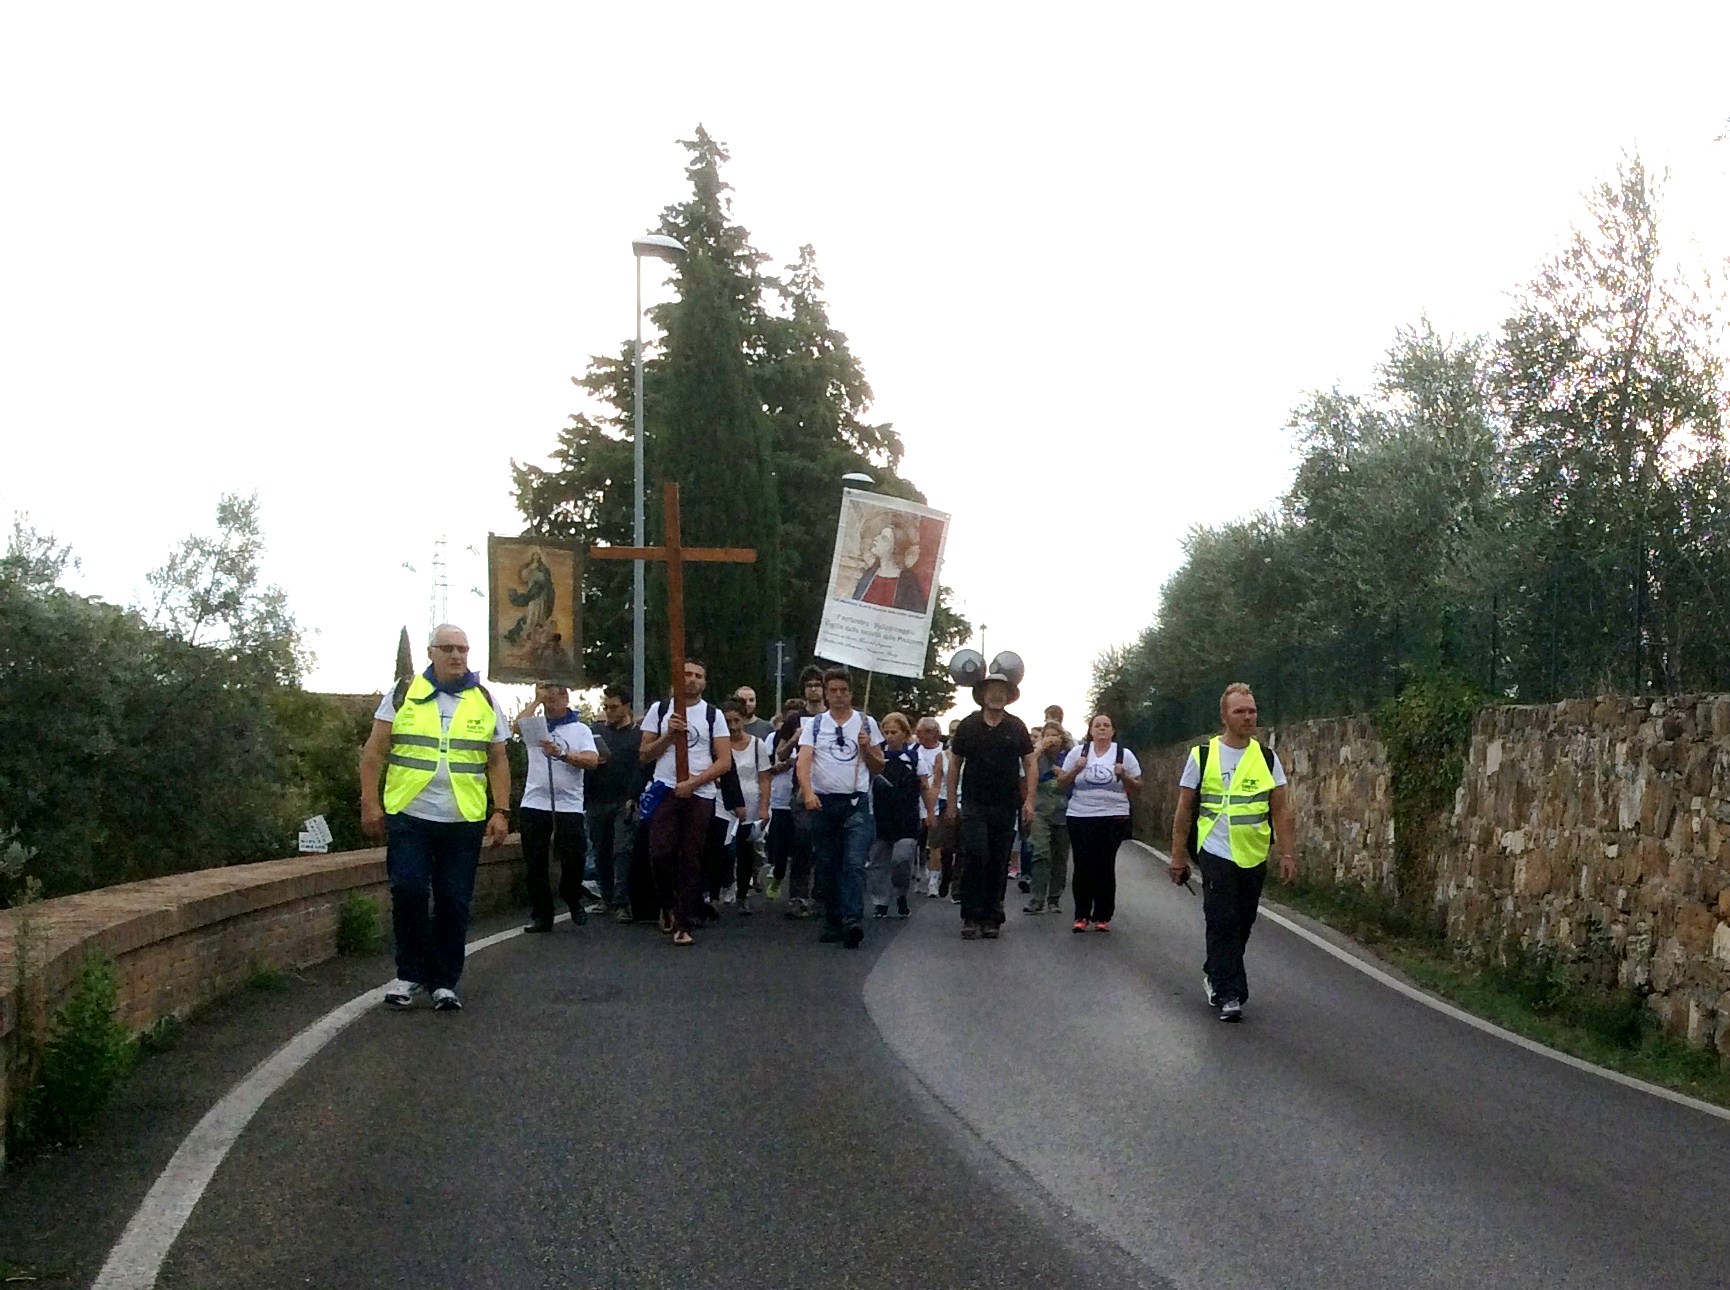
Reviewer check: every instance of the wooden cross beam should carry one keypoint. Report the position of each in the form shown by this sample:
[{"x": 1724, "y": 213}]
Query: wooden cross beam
[{"x": 676, "y": 555}]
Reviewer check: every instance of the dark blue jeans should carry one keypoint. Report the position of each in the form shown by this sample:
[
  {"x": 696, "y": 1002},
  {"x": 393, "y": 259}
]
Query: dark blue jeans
[
  {"x": 427, "y": 859},
  {"x": 841, "y": 836}
]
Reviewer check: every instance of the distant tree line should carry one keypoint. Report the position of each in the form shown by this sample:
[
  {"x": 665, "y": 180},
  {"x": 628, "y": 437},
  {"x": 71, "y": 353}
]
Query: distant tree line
[
  {"x": 168, "y": 737},
  {"x": 1537, "y": 514},
  {"x": 756, "y": 406}
]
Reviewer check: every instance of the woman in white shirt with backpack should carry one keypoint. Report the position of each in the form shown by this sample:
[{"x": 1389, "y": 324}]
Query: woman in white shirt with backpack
[
  {"x": 1102, "y": 777},
  {"x": 754, "y": 761}
]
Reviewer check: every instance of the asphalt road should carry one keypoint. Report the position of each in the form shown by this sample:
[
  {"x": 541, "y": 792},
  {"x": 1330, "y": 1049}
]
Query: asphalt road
[{"x": 1043, "y": 1110}]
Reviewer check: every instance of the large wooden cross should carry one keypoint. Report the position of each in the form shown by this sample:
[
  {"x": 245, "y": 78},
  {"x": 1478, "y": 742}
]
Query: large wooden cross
[{"x": 675, "y": 555}]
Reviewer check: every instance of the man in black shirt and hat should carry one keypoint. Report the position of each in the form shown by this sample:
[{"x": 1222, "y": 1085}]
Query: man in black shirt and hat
[{"x": 993, "y": 773}]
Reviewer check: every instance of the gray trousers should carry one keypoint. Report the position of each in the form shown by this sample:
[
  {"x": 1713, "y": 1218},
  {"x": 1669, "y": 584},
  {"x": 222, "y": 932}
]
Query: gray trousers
[{"x": 890, "y": 868}]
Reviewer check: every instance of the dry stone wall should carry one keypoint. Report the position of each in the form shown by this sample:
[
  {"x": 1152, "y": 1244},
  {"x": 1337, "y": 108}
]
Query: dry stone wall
[{"x": 1599, "y": 829}]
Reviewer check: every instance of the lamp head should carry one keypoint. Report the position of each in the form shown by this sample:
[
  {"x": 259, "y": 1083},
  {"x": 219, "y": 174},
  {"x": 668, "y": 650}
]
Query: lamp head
[{"x": 657, "y": 247}]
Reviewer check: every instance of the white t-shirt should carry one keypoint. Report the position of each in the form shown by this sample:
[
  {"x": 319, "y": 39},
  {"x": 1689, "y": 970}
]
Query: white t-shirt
[
  {"x": 836, "y": 766},
  {"x": 1218, "y": 840},
  {"x": 931, "y": 767},
  {"x": 699, "y": 743},
  {"x": 436, "y": 801},
  {"x": 1098, "y": 793},
  {"x": 750, "y": 761},
  {"x": 781, "y": 787},
  {"x": 567, "y": 780}
]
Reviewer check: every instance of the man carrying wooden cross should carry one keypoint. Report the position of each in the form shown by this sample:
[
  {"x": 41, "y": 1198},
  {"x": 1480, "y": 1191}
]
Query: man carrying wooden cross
[
  {"x": 684, "y": 736},
  {"x": 679, "y": 820}
]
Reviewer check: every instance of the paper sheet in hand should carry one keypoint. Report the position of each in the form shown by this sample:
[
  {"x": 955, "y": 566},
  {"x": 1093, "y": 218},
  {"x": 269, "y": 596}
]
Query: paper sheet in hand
[{"x": 533, "y": 730}]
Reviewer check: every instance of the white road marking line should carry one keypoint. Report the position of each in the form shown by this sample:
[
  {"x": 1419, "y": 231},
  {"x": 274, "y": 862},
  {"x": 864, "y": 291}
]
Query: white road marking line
[
  {"x": 1477, "y": 1023},
  {"x": 137, "y": 1257}
]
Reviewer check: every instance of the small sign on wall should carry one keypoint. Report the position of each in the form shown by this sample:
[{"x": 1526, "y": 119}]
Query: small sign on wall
[{"x": 315, "y": 836}]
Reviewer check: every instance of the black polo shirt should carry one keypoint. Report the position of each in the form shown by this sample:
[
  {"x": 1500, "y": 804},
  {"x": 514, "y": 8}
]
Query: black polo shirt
[{"x": 991, "y": 756}]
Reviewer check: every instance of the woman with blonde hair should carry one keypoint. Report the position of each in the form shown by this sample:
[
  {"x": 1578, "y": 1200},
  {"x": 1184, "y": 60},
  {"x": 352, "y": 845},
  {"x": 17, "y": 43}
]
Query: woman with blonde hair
[
  {"x": 1102, "y": 777},
  {"x": 896, "y": 793}
]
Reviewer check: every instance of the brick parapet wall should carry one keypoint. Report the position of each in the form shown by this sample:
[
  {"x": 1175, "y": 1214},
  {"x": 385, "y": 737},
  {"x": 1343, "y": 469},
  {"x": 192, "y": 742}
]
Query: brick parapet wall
[
  {"x": 1597, "y": 828},
  {"x": 181, "y": 941}
]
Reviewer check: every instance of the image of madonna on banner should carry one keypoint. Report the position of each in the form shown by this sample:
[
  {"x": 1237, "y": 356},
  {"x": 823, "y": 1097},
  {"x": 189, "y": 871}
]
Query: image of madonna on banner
[{"x": 882, "y": 584}]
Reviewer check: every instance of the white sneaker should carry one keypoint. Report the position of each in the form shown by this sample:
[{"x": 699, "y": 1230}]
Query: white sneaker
[
  {"x": 1207, "y": 988},
  {"x": 445, "y": 1000},
  {"x": 402, "y": 994},
  {"x": 932, "y": 882},
  {"x": 727, "y": 896}
]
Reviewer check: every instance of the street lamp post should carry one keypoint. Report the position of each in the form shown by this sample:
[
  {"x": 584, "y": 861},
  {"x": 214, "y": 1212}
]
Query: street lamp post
[{"x": 657, "y": 247}]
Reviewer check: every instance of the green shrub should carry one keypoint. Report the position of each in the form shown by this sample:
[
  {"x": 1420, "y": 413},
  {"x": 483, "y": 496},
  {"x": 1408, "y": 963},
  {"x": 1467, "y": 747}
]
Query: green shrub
[
  {"x": 357, "y": 926},
  {"x": 162, "y": 1035},
  {"x": 87, "y": 1054},
  {"x": 267, "y": 979},
  {"x": 1426, "y": 729},
  {"x": 1533, "y": 976}
]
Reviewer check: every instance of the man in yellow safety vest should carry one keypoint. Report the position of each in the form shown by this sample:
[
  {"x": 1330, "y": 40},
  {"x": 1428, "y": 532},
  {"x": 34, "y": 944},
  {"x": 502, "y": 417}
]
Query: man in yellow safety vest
[
  {"x": 440, "y": 740},
  {"x": 1233, "y": 808}
]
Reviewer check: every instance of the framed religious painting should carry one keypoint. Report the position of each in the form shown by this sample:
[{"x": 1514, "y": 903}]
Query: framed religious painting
[{"x": 534, "y": 610}]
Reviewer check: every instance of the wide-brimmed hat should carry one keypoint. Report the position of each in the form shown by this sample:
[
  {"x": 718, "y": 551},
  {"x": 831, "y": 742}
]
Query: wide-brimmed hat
[{"x": 1006, "y": 667}]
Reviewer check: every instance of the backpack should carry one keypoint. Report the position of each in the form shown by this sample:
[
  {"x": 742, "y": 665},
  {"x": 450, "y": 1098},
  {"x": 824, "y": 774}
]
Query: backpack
[
  {"x": 895, "y": 797},
  {"x": 1117, "y": 761},
  {"x": 817, "y": 730},
  {"x": 1201, "y": 752},
  {"x": 655, "y": 792}
]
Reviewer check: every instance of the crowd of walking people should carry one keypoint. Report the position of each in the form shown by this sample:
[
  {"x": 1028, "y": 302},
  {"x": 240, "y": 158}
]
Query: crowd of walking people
[{"x": 698, "y": 808}]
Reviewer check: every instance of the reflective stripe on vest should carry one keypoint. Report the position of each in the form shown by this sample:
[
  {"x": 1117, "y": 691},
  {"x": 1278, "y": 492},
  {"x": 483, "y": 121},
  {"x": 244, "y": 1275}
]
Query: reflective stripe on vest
[
  {"x": 419, "y": 743},
  {"x": 1247, "y": 804}
]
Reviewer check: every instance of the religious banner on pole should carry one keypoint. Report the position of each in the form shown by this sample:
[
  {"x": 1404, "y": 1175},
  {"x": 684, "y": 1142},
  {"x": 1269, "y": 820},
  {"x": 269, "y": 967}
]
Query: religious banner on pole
[
  {"x": 534, "y": 610},
  {"x": 882, "y": 584}
]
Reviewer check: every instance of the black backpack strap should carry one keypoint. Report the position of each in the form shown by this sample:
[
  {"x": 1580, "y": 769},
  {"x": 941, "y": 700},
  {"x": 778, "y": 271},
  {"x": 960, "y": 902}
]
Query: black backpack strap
[
  {"x": 1201, "y": 752},
  {"x": 1120, "y": 752},
  {"x": 1268, "y": 757},
  {"x": 399, "y": 692}
]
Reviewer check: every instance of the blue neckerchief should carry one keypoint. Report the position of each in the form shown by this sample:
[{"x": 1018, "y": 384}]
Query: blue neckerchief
[
  {"x": 469, "y": 681},
  {"x": 553, "y": 723}
]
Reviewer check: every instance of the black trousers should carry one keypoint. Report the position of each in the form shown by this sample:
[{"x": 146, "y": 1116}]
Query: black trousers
[
  {"x": 717, "y": 858},
  {"x": 645, "y": 895},
  {"x": 745, "y": 857},
  {"x": 780, "y": 842},
  {"x": 987, "y": 833},
  {"x": 1229, "y": 897},
  {"x": 1093, "y": 845},
  {"x": 546, "y": 837}
]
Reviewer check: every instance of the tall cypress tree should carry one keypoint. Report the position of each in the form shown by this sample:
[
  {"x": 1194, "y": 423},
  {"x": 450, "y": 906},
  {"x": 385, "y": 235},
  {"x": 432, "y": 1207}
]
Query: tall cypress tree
[
  {"x": 711, "y": 436},
  {"x": 756, "y": 406}
]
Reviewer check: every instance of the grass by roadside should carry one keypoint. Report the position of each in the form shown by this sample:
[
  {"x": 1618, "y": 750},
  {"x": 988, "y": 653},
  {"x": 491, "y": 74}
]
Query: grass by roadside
[
  {"x": 23, "y": 1274},
  {"x": 1534, "y": 994}
]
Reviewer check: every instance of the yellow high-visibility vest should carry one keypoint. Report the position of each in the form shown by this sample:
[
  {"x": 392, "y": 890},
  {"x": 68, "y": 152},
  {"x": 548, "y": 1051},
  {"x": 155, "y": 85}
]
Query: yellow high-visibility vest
[
  {"x": 1247, "y": 805},
  {"x": 419, "y": 742}
]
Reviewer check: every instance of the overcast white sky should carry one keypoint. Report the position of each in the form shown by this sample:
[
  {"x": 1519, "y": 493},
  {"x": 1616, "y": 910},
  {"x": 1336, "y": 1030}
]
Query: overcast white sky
[{"x": 348, "y": 256}]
